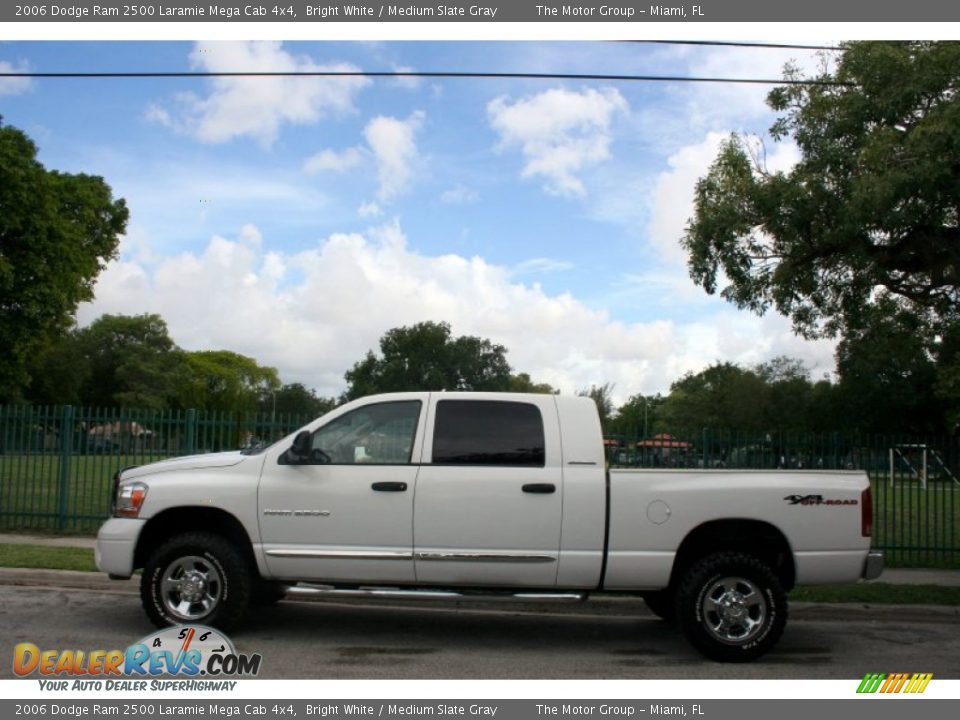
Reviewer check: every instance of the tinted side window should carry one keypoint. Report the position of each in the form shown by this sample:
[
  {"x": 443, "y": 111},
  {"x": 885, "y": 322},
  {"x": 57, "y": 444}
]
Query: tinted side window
[{"x": 482, "y": 432}]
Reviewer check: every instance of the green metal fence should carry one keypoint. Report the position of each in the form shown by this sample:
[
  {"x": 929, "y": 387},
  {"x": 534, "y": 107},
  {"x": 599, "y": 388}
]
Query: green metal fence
[
  {"x": 57, "y": 463},
  {"x": 915, "y": 480}
]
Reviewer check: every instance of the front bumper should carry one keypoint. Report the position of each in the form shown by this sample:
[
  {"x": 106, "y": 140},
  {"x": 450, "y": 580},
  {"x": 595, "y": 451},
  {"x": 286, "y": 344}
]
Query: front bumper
[
  {"x": 873, "y": 565},
  {"x": 116, "y": 544}
]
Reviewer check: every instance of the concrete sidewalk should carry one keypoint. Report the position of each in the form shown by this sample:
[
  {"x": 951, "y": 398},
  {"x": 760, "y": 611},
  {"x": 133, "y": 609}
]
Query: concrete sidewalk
[
  {"x": 890, "y": 576},
  {"x": 48, "y": 540}
]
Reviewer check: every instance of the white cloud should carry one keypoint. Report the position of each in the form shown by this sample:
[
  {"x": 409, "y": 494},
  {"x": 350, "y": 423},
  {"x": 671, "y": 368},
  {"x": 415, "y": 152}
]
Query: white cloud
[
  {"x": 408, "y": 82},
  {"x": 159, "y": 115},
  {"x": 393, "y": 144},
  {"x": 258, "y": 106},
  {"x": 13, "y": 85},
  {"x": 459, "y": 195},
  {"x": 333, "y": 161},
  {"x": 370, "y": 209},
  {"x": 560, "y": 133},
  {"x": 672, "y": 199},
  {"x": 540, "y": 266},
  {"x": 314, "y": 313}
]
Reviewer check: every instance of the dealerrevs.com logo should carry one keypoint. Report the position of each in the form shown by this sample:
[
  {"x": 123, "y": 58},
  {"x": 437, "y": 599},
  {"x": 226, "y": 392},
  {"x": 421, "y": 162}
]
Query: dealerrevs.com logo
[
  {"x": 911, "y": 683},
  {"x": 189, "y": 652}
]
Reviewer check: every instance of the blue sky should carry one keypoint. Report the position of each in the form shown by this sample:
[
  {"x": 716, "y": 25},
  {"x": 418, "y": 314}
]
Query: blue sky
[{"x": 296, "y": 220}]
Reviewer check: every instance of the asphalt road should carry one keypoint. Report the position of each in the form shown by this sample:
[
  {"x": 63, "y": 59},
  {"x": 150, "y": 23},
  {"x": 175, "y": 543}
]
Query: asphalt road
[{"x": 612, "y": 638}]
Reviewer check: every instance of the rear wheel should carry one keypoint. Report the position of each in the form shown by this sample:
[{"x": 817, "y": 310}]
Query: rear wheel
[
  {"x": 196, "y": 577},
  {"x": 731, "y": 607}
]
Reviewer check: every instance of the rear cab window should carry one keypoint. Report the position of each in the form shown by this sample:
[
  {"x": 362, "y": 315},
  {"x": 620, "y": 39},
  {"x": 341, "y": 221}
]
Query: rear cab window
[{"x": 488, "y": 433}]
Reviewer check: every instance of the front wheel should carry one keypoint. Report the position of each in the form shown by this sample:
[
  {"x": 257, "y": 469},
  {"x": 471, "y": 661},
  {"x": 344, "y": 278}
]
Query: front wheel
[
  {"x": 196, "y": 577},
  {"x": 731, "y": 607}
]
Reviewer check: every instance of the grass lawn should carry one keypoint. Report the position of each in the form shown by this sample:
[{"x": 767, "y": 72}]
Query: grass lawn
[
  {"x": 879, "y": 593},
  {"x": 30, "y": 490},
  {"x": 915, "y": 526},
  {"x": 47, "y": 558}
]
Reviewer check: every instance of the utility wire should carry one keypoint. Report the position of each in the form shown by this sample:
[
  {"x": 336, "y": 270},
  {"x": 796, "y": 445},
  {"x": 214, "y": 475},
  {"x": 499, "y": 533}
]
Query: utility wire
[
  {"x": 730, "y": 43},
  {"x": 429, "y": 74},
  {"x": 492, "y": 75}
]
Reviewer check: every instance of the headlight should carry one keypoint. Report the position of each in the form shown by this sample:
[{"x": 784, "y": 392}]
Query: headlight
[{"x": 130, "y": 497}]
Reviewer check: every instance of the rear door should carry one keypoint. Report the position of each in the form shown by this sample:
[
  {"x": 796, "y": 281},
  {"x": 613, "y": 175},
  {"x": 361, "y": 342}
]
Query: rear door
[{"x": 487, "y": 510}]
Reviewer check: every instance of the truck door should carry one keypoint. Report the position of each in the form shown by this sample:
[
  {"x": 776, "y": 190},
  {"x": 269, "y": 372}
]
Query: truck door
[
  {"x": 488, "y": 505},
  {"x": 345, "y": 512}
]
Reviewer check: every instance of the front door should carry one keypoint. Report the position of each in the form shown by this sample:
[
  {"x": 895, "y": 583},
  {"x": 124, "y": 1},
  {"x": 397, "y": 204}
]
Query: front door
[{"x": 344, "y": 513}]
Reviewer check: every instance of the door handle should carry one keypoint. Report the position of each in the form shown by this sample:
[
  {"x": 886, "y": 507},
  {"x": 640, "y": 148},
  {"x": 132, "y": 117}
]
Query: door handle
[
  {"x": 540, "y": 488},
  {"x": 389, "y": 486}
]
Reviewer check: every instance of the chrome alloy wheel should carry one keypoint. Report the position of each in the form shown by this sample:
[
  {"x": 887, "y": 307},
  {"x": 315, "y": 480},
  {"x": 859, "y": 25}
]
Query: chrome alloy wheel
[
  {"x": 734, "y": 610},
  {"x": 191, "y": 588}
]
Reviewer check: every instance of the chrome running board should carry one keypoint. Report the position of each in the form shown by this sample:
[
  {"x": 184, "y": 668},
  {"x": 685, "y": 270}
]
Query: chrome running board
[{"x": 392, "y": 593}]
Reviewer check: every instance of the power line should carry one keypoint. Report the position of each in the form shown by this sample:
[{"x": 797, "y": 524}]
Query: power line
[
  {"x": 429, "y": 74},
  {"x": 730, "y": 43}
]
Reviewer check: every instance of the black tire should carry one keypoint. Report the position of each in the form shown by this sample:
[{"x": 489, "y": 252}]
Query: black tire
[
  {"x": 196, "y": 578},
  {"x": 268, "y": 592},
  {"x": 663, "y": 604},
  {"x": 731, "y": 607}
]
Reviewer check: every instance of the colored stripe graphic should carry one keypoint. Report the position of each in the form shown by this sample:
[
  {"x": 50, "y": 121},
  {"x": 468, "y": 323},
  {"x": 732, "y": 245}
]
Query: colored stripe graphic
[
  {"x": 921, "y": 682},
  {"x": 871, "y": 682},
  {"x": 894, "y": 683}
]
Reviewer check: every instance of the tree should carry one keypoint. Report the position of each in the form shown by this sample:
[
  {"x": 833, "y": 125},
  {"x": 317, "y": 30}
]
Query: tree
[
  {"x": 128, "y": 361},
  {"x": 57, "y": 231},
  {"x": 947, "y": 387},
  {"x": 522, "y": 383},
  {"x": 638, "y": 416},
  {"x": 868, "y": 217},
  {"x": 59, "y": 372},
  {"x": 426, "y": 357},
  {"x": 602, "y": 396},
  {"x": 225, "y": 380},
  {"x": 721, "y": 396},
  {"x": 118, "y": 360},
  {"x": 789, "y": 394},
  {"x": 295, "y": 399},
  {"x": 887, "y": 380}
]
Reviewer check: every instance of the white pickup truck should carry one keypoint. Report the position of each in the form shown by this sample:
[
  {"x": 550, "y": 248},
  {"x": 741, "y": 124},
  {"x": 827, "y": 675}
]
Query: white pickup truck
[{"x": 483, "y": 496}]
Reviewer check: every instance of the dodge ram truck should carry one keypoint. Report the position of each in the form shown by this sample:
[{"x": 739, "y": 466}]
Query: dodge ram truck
[{"x": 455, "y": 496}]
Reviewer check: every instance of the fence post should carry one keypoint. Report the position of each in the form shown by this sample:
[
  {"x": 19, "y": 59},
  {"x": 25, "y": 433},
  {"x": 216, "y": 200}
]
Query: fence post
[
  {"x": 191, "y": 432},
  {"x": 66, "y": 450}
]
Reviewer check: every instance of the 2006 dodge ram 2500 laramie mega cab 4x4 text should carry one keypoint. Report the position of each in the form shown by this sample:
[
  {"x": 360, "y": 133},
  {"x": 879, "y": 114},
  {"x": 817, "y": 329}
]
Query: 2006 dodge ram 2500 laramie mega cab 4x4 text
[{"x": 482, "y": 495}]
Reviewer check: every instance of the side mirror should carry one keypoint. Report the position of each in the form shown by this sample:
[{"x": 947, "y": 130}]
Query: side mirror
[{"x": 299, "y": 452}]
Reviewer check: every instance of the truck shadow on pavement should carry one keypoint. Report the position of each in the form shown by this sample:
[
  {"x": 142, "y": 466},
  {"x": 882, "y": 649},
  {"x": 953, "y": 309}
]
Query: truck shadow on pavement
[{"x": 445, "y": 641}]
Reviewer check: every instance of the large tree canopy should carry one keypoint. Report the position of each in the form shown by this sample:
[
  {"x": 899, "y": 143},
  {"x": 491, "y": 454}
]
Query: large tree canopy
[
  {"x": 426, "y": 357},
  {"x": 56, "y": 232},
  {"x": 870, "y": 212},
  {"x": 225, "y": 380},
  {"x": 129, "y": 361}
]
